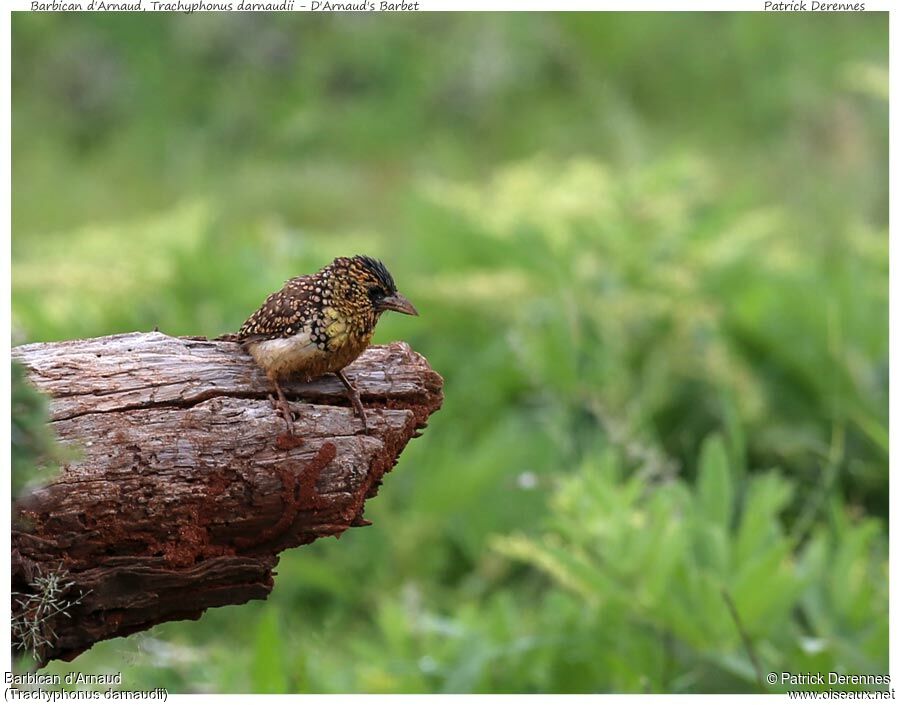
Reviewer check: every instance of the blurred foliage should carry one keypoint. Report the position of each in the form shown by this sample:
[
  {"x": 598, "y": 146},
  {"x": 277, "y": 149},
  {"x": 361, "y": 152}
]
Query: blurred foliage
[
  {"x": 657, "y": 562},
  {"x": 650, "y": 253},
  {"x": 35, "y": 452}
]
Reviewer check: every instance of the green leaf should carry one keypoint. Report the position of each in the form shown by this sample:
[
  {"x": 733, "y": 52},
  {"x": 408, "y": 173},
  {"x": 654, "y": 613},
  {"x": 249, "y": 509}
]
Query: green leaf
[
  {"x": 767, "y": 495},
  {"x": 765, "y": 588},
  {"x": 267, "y": 672},
  {"x": 715, "y": 491}
]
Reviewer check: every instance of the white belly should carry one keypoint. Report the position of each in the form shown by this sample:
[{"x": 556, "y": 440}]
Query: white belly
[{"x": 285, "y": 356}]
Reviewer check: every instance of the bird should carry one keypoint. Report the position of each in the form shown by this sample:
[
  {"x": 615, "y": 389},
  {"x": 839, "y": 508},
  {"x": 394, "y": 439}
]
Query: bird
[{"x": 319, "y": 323}]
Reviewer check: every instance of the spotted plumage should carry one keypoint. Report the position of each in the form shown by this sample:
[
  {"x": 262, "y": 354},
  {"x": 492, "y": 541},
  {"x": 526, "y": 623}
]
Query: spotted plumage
[{"x": 320, "y": 323}]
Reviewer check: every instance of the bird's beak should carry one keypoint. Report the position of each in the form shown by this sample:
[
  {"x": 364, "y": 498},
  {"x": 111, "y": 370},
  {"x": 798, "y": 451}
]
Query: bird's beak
[{"x": 398, "y": 302}]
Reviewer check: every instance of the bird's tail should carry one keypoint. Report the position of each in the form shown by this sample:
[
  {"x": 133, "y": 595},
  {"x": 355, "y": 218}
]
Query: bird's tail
[{"x": 229, "y": 338}]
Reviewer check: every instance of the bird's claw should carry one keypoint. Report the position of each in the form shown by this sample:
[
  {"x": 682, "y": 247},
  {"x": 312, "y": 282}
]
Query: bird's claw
[
  {"x": 360, "y": 411},
  {"x": 353, "y": 395},
  {"x": 284, "y": 410}
]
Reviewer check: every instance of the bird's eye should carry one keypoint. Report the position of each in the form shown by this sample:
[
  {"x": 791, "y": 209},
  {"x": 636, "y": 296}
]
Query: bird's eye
[{"x": 376, "y": 293}]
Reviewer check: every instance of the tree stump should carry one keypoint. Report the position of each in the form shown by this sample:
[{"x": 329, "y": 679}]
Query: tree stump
[{"x": 182, "y": 488}]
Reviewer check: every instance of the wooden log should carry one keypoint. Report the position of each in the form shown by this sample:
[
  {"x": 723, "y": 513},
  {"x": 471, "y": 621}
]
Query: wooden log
[{"x": 183, "y": 487}]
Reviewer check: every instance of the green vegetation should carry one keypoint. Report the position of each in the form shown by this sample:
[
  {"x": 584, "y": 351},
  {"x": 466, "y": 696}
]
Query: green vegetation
[
  {"x": 650, "y": 254},
  {"x": 35, "y": 453}
]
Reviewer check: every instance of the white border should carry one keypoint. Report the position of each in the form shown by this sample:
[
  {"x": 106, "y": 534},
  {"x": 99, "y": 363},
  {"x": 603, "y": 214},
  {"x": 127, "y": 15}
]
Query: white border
[{"x": 464, "y": 5}]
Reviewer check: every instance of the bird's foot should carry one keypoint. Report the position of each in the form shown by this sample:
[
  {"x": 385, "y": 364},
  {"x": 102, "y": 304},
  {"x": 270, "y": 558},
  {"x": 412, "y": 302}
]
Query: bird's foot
[
  {"x": 361, "y": 412},
  {"x": 355, "y": 400},
  {"x": 281, "y": 406}
]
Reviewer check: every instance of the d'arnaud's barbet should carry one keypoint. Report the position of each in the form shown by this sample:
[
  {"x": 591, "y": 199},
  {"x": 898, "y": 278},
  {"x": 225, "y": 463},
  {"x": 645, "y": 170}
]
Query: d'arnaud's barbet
[{"x": 320, "y": 323}]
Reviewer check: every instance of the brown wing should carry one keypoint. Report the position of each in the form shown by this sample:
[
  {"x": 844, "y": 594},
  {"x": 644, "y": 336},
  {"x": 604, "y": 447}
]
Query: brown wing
[{"x": 284, "y": 313}]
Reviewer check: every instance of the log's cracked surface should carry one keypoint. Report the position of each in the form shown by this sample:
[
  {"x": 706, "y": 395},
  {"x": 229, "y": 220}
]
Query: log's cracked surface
[{"x": 179, "y": 496}]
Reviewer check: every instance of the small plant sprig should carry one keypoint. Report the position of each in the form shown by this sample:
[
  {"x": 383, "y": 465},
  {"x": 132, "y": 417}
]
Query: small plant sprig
[{"x": 34, "y": 612}]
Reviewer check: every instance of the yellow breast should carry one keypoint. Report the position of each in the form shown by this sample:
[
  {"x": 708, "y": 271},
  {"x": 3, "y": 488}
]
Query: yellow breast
[{"x": 299, "y": 356}]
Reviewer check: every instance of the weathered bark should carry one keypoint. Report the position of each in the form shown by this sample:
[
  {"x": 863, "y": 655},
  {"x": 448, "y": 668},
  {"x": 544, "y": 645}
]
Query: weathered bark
[{"x": 184, "y": 488}]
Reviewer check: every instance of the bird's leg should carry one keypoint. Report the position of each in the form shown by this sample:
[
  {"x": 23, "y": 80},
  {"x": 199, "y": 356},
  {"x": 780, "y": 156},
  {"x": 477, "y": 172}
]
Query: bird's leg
[
  {"x": 282, "y": 406},
  {"x": 354, "y": 399}
]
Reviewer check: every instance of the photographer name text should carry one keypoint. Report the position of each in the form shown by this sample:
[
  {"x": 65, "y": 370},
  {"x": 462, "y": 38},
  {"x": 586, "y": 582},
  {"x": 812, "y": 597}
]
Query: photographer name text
[{"x": 814, "y": 6}]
